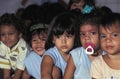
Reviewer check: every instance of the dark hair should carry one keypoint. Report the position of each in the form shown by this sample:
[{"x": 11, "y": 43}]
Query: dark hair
[
  {"x": 37, "y": 32},
  {"x": 11, "y": 19},
  {"x": 65, "y": 22},
  {"x": 91, "y": 18},
  {"x": 108, "y": 20}
]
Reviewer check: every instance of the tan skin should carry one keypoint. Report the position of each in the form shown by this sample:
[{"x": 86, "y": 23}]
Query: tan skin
[
  {"x": 88, "y": 33},
  {"x": 38, "y": 42},
  {"x": 110, "y": 42},
  {"x": 10, "y": 36},
  {"x": 64, "y": 43}
]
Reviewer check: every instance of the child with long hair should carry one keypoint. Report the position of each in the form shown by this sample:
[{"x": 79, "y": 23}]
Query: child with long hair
[
  {"x": 62, "y": 38},
  {"x": 78, "y": 66}
]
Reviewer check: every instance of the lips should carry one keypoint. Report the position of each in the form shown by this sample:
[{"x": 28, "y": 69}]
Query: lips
[{"x": 89, "y": 44}]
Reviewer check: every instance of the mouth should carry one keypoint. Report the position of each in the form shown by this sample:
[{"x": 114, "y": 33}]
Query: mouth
[{"x": 89, "y": 47}]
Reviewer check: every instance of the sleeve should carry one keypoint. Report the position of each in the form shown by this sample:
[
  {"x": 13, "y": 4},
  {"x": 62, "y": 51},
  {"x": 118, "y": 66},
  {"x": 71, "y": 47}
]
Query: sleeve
[
  {"x": 4, "y": 62},
  {"x": 96, "y": 69},
  {"x": 20, "y": 60}
]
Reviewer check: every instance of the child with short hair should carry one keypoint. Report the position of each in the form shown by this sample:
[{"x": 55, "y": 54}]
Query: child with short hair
[
  {"x": 62, "y": 37},
  {"x": 38, "y": 36},
  {"x": 13, "y": 48},
  {"x": 78, "y": 66},
  {"x": 108, "y": 66}
]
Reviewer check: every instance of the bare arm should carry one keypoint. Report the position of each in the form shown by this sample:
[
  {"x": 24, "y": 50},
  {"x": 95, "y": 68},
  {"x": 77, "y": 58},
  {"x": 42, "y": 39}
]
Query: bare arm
[
  {"x": 6, "y": 73},
  {"x": 25, "y": 74},
  {"x": 47, "y": 67},
  {"x": 56, "y": 73},
  {"x": 70, "y": 69}
]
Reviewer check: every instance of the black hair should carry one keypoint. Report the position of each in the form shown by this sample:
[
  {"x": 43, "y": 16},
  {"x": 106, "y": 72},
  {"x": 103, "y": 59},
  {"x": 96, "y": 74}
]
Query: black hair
[
  {"x": 11, "y": 19},
  {"x": 65, "y": 22},
  {"x": 37, "y": 32},
  {"x": 91, "y": 18},
  {"x": 110, "y": 19}
]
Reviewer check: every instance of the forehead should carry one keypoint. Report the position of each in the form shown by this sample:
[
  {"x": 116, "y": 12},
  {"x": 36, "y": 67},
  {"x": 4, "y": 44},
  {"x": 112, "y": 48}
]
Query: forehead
[
  {"x": 88, "y": 27},
  {"x": 112, "y": 28},
  {"x": 7, "y": 27}
]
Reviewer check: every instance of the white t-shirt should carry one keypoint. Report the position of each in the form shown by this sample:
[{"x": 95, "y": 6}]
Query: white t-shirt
[{"x": 100, "y": 70}]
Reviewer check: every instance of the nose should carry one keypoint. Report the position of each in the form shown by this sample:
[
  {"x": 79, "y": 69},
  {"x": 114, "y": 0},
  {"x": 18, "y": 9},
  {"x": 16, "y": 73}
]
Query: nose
[
  {"x": 63, "y": 39},
  {"x": 87, "y": 37},
  {"x": 108, "y": 39}
]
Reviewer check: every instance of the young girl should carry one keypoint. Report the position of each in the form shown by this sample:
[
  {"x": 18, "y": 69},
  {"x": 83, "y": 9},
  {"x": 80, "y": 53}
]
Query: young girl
[
  {"x": 62, "y": 38},
  {"x": 108, "y": 66},
  {"x": 38, "y": 34},
  {"x": 78, "y": 65},
  {"x": 13, "y": 48}
]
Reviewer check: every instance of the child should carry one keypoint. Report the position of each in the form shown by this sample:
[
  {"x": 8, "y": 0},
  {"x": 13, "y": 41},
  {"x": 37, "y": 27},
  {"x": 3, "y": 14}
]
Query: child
[
  {"x": 13, "y": 48},
  {"x": 81, "y": 6},
  {"x": 78, "y": 65},
  {"x": 108, "y": 66},
  {"x": 32, "y": 61},
  {"x": 62, "y": 38}
]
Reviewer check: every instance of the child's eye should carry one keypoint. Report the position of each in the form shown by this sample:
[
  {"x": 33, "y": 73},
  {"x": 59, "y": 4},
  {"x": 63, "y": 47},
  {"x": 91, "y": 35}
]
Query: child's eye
[
  {"x": 115, "y": 35},
  {"x": 57, "y": 36},
  {"x": 93, "y": 33},
  {"x": 102, "y": 36},
  {"x": 11, "y": 33},
  {"x": 82, "y": 34},
  {"x": 69, "y": 36},
  {"x": 2, "y": 34},
  {"x": 34, "y": 40},
  {"x": 43, "y": 39}
]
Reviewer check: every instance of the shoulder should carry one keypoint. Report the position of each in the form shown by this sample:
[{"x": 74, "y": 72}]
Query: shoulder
[
  {"x": 77, "y": 51},
  {"x": 32, "y": 55},
  {"x": 98, "y": 60}
]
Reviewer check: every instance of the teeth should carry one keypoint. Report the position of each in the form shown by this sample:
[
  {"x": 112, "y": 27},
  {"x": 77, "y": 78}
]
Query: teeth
[{"x": 39, "y": 49}]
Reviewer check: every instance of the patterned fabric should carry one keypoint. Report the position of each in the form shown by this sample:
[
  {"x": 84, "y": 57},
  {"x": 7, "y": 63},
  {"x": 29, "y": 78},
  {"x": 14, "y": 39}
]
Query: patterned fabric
[{"x": 13, "y": 58}]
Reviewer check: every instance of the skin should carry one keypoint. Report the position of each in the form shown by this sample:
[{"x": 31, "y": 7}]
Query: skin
[
  {"x": 38, "y": 46},
  {"x": 88, "y": 33},
  {"x": 38, "y": 43},
  {"x": 10, "y": 36},
  {"x": 64, "y": 43},
  {"x": 110, "y": 43}
]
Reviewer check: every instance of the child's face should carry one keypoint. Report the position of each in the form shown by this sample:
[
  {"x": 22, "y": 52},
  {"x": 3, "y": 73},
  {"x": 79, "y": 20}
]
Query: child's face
[
  {"x": 77, "y": 5},
  {"x": 38, "y": 43},
  {"x": 9, "y": 35},
  {"x": 89, "y": 34},
  {"x": 64, "y": 42},
  {"x": 110, "y": 39}
]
